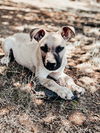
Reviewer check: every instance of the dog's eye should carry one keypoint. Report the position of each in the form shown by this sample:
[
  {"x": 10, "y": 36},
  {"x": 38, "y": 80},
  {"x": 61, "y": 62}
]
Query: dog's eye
[
  {"x": 44, "y": 48},
  {"x": 59, "y": 49}
]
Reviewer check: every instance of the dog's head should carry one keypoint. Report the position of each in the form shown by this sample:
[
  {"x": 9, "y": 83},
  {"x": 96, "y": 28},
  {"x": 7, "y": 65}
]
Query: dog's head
[{"x": 52, "y": 45}]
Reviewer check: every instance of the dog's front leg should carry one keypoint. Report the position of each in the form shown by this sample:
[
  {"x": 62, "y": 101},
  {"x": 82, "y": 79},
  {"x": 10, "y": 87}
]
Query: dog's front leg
[
  {"x": 67, "y": 81},
  {"x": 63, "y": 92}
]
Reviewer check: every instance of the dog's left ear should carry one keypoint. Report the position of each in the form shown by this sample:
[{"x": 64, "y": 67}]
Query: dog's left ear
[
  {"x": 67, "y": 32},
  {"x": 37, "y": 34}
]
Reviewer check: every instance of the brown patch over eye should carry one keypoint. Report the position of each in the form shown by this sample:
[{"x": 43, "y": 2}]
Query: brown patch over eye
[{"x": 44, "y": 48}]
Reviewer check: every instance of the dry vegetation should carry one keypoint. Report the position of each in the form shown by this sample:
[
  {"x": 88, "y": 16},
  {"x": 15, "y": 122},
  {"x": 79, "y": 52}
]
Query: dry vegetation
[{"x": 27, "y": 107}]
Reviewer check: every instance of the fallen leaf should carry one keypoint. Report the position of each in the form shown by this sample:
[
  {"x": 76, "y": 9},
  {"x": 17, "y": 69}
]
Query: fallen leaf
[{"x": 77, "y": 118}]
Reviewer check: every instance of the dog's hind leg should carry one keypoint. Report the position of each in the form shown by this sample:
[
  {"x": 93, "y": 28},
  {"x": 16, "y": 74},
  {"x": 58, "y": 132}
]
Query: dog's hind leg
[{"x": 7, "y": 48}]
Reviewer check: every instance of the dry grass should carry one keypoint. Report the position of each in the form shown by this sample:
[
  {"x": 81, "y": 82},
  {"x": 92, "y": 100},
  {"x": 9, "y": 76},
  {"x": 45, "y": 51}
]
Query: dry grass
[{"x": 27, "y": 107}]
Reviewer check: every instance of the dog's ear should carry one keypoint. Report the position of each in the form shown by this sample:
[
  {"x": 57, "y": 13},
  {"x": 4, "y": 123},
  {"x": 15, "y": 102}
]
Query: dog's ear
[
  {"x": 37, "y": 34},
  {"x": 67, "y": 32}
]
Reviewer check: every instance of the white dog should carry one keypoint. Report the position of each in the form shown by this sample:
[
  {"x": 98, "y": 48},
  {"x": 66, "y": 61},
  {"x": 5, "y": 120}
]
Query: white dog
[{"x": 45, "y": 54}]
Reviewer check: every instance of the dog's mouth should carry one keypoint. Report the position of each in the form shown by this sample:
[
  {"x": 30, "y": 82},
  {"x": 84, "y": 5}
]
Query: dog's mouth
[{"x": 51, "y": 66}]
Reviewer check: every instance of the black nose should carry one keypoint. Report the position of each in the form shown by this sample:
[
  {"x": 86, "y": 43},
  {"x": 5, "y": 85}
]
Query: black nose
[{"x": 51, "y": 66}]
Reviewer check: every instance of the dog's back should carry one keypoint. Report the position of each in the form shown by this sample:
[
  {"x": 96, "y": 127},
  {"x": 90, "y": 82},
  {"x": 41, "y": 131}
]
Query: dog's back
[
  {"x": 22, "y": 37},
  {"x": 22, "y": 47}
]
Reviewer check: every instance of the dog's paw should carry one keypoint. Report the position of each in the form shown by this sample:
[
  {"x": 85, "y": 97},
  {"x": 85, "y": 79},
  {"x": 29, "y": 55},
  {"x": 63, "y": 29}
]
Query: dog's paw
[
  {"x": 79, "y": 91},
  {"x": 66, "y": 93},
  {"x": 5, "y": 60}
]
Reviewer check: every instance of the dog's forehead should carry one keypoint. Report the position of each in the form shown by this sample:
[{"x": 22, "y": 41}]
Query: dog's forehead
[{"x": 53, "y": 38}]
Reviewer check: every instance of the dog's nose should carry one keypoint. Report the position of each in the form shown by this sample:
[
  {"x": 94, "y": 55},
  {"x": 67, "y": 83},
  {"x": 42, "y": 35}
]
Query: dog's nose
[{"x": 51, "y": 66}]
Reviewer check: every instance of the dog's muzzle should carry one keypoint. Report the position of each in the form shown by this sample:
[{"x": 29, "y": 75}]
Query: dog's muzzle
[{"x": 51, "y": 66}]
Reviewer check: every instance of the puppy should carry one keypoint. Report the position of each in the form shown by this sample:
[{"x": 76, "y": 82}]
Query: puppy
[{"x": 45, "y": 54}]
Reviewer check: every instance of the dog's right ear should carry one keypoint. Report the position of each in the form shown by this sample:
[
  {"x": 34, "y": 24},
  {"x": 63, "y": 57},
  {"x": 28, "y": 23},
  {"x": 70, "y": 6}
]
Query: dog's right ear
[
  {"x": 67, "y": 32},
  {"x": 37, "y": 34}
]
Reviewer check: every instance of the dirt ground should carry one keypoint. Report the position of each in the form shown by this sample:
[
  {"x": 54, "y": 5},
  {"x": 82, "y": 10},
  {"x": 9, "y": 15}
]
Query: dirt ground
[{"x": 27, "y": 107}]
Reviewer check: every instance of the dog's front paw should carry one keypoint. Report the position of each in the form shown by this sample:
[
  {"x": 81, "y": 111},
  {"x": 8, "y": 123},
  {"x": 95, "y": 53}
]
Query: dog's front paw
[
  {"x": 79, "y": 90},
  {"x": 66, "y": 94},
  {"x": 5, "y": 60}
]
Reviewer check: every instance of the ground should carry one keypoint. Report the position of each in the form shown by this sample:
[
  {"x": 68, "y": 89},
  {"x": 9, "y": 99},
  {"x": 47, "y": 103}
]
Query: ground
[{"x": 25, "y": 106}]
